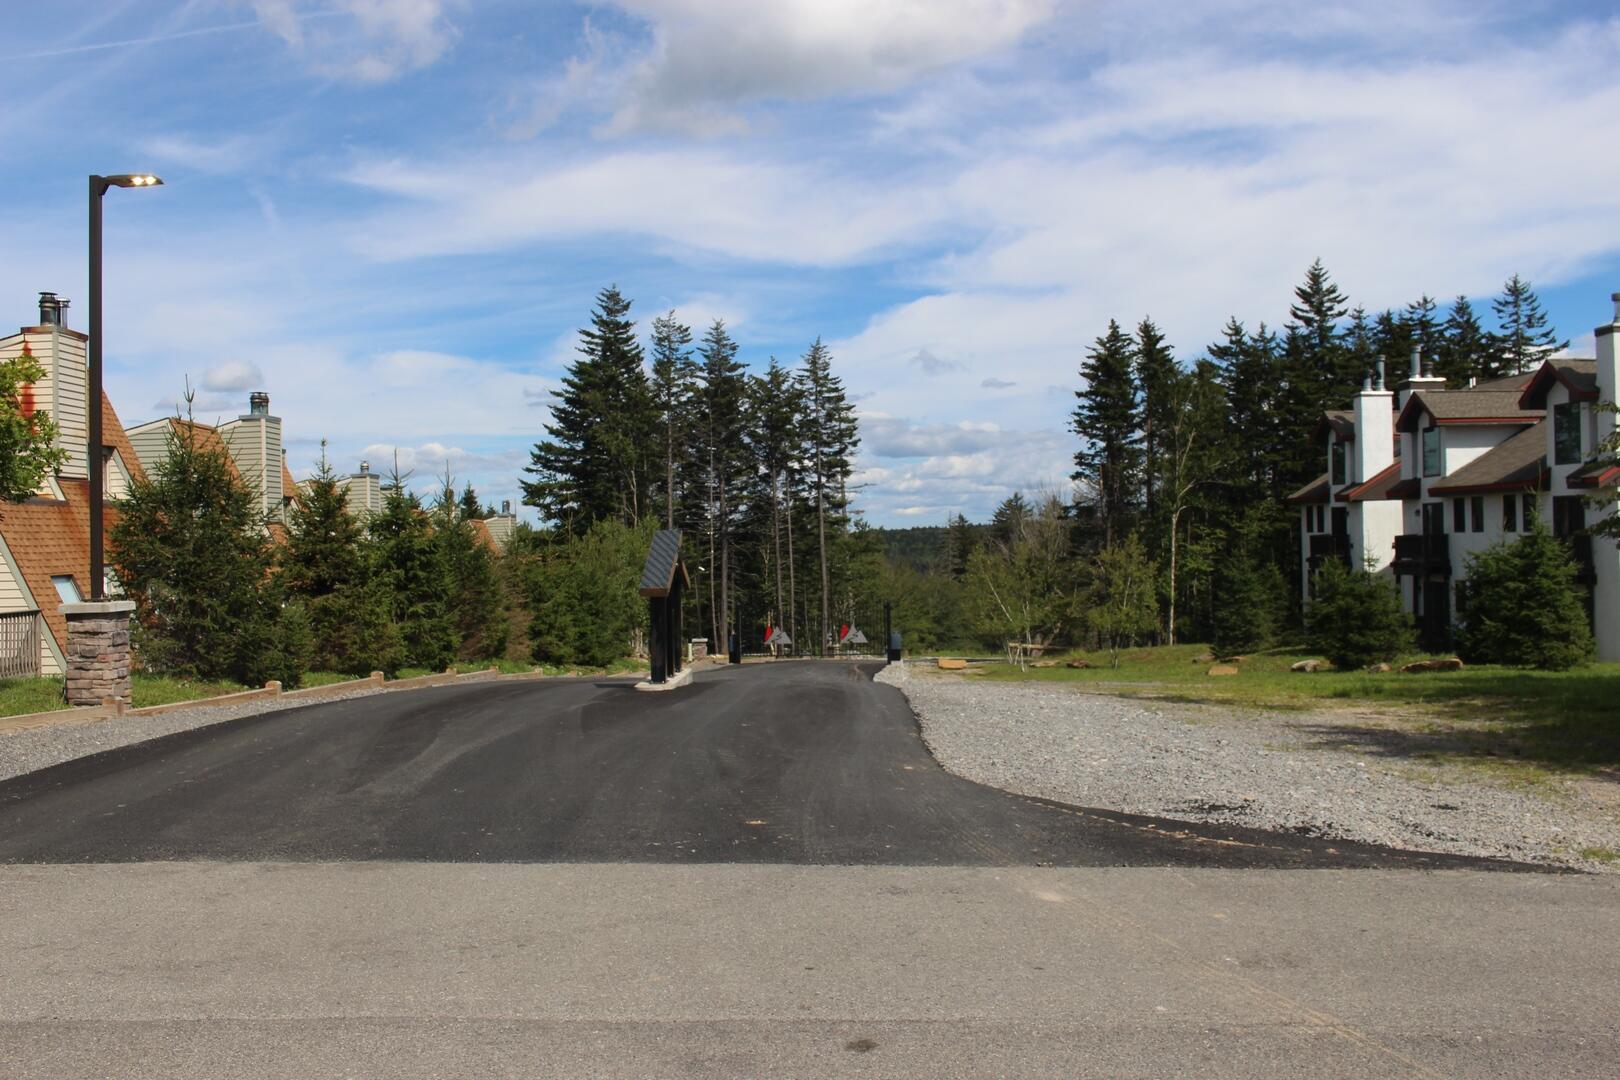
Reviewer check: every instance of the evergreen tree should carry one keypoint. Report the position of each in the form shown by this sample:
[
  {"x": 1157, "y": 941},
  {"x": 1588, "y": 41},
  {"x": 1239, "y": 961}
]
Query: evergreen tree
[
  {"x": 1423, "y": 328},
  {"x": 190, "y": 548},
  {"x": 474, "y": 601},
  {"x": 961, "y": 546},
  {"x": 322, "y": 553},
  {"x": 1355, "y": 618},
  {"x": 1108, "y": 421},
  {"x": 831, "y": 437},
  {"x": 722, "y": 392},
  {"x": 673, "y": 374},
  {"x": 410, "y": 565},
  {"x": 1251, "y": 376},
  {"x": 1007, "y": 522},
  {"x": 1520, "y": 604},
  {"x": 1156, "y": 374},
  {"x": 776, "y": 444},
  {"x": 1523, "y": 339},
  {"x": 1361, "y": 340},
  {"x": 595, "y": 463},
  {"x": 581, "y": 592},
  {"x": 1325, "y": 366},
  {"x": 469, "y": 508},
  {"x": 1465, "y": 349},
  {"x": 1393, "y": 341}
]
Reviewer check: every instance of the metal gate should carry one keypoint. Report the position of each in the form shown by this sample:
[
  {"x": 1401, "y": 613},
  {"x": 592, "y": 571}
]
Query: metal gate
[{"x": 855, "y": 630}]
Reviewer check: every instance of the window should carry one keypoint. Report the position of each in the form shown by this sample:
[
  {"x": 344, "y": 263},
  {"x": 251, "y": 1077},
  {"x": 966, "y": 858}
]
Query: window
[
  {"x": 1510, "y": 513},
  {"x": 1567, "y": 433},
  {"x": 1476, "y": 510},
  {"x": 1459, "y": 515},
  {"x": 1431, "y": 451},
  {"x": 67, "y": 589},
  {"x": 1339, "y": 463},
  {"x": 1529, "y": 507}
]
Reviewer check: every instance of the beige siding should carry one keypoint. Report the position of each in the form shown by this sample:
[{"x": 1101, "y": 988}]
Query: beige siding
[
  {"x": 14, "y": 596},
  {"x": 117, "y": 477},
  {"x": 255, "y": 446},
  {"x": 151, "y": 443},
  {"x": 61, "y": 392}
]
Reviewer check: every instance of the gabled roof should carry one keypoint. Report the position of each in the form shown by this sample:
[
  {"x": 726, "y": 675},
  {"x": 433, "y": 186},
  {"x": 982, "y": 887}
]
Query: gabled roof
[
  {"x": 1516, "y": 464},
  {"x": 1505, "y": 382},
  {"x": 1375, "y": 487},
  {"x": 49, "y": 537},
  {"x": 663, "y": 563},
  {"x": 1579, "y": 375},
  {"x": 112, "y": 434},
  {"x": 1465, "y": 407},
  {"x": 1342, "y": 422},
  {"x": 1317, "y": 491},
  {"x": 481, "y": 534}
]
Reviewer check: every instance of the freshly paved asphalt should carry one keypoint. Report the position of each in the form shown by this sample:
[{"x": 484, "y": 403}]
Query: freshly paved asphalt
[
  {"x": 807, "y": 763},
  {"x": 476, "y": 882}
]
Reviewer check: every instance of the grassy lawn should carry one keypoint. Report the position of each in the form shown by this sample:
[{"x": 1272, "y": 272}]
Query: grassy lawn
[{"x": 1567, "y": 720}]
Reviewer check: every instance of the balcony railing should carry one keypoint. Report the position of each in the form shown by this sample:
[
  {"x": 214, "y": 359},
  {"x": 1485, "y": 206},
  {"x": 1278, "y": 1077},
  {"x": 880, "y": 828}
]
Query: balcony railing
[
  {"x": 1422, "y": 552},
  {"x": 1330, "y": 546},
  {"x": 19, "y": 644}
]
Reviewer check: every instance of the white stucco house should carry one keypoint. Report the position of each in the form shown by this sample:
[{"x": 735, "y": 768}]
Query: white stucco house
[{"x": 1418, "y": 479}]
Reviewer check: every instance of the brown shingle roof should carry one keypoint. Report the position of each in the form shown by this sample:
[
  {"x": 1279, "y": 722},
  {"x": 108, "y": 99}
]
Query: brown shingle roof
[
  {"x": 49, "y": 537},
  {"x": 1317, "y": 491},
  {"x": 482, "y": 535},
  {"x": 207, "y": 438},
  {"x": 1518, "y": 464},
  {"x": 1341, "y": 421},
  {"x": 1375, "y": 487},
  {"x": 1579, "y": 375},
  {"x": 112, "y": 434},
  {"x": 1450, "y": 407}
]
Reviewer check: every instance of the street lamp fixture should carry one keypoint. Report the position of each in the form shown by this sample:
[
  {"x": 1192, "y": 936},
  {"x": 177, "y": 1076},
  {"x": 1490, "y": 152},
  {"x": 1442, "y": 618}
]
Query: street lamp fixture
[{"x": 97, "y": 462}]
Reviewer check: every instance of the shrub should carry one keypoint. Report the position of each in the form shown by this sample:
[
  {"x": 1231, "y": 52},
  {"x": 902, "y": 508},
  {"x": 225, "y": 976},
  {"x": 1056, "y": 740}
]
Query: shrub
[
  {"x": 1520, "y": 605},
  {"x": 1355, "y": 618},
  {"x": 354, "y": 631},
  {"x": 583, "y": 596}
]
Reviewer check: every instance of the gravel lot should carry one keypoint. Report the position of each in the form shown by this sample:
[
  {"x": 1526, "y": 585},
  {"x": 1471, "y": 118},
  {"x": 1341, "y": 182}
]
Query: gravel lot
[
  {"x": 40, "y": 748},
  {"x": 1273, "y": 771}
]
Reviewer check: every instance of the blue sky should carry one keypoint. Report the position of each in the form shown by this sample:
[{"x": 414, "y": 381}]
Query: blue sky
[{"x": 393, "y": 214}]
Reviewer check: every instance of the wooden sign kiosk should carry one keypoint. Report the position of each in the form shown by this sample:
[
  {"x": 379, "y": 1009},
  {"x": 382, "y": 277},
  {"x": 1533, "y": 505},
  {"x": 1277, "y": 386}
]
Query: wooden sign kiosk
[{"x": 664, "y": 583}]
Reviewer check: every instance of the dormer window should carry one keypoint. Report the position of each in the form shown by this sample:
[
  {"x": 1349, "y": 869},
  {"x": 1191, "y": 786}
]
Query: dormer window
[
  {"x": 67, "y": 590},
  {"x": 1339, "y": 463}
]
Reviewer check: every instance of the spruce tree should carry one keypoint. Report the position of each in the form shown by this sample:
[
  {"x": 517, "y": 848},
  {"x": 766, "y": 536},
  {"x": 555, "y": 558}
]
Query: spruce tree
[
  {"x": 961, "y": 544},
  {"x": 596, "y": 463},
  {"x": 1523, "y": 339},
  {"x": 1007, "y": 522},
  {"x": 191, "y": 549},
  {"x": 410, "y": 565},
  {"x": 1520, "y": 604},
  {"x": 474, "y": 600},
  {"x": 468, "y": 507},
  {"x": 831, "y": 437},
  {"x": 1326, "y": 366},
  {"x": 776, "y": 443},
  {"x": 721, "y": 401},
  {"x": 1355, "y": 618},
  {"x": 1108, "y": 421},
  {"x": 1423, "y": 327},
  {"x": 1465, "y": 349},
  {"x": 673, "y": 376},
  {"x": 1156, "y": 373}
]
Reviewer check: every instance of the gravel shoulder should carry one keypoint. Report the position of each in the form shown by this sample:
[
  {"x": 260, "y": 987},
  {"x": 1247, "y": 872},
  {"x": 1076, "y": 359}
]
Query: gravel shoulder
[
  {"x": 1317, "y": 773},
  {"x": 39, "y": 748}
]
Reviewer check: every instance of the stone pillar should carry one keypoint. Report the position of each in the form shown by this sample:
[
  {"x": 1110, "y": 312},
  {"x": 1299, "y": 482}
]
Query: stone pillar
[{"x": 98, "y": 651}]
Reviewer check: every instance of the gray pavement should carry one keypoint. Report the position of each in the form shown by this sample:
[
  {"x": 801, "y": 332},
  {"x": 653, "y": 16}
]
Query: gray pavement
[{"x": 417, "y": 970}]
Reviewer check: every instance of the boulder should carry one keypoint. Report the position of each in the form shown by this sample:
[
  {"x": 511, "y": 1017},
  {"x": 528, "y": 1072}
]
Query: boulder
[
  {"x": 952, "y": 664},
  {"x": 1078, "y": 665},
  {"x": 1223, "y": 669},
  {"x": 1309, "y": 665},
  {"x": 1044, "y": 663},
  {"x": 1449, "y": 664},
  {"x": 1379, "y": 669}
]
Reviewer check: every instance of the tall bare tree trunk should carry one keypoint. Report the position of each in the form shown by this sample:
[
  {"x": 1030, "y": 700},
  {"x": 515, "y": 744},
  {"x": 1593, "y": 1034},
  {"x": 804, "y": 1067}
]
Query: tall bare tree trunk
[
  {"x": 725, "y": 570},
  {"x": 821, "y": 534},
  {"x": 776, "y": 539},
  {"x": 669, "y": 476},
  {"x": 1170, "y": 630},
  {"x": 793, "y": 590}
]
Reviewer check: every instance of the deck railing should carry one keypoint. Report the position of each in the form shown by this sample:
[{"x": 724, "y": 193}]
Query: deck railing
[{"x": 19, "y": 644}]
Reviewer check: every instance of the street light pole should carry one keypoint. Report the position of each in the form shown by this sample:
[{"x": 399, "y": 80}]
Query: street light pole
[{"x": 97, "y": 462}]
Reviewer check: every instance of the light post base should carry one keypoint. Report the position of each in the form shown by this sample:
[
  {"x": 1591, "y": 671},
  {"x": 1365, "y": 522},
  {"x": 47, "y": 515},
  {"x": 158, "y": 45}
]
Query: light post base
[{"x": 98, "y": 651}]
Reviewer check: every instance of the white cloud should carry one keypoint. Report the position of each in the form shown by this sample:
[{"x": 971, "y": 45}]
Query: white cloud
[
  {"x": 709, "y": 56},
  {"x": 232, "y": 375},
  {"x": 374, "y": 41}
]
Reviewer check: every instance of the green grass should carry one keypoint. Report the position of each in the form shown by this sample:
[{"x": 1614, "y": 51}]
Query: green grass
[
  {"x": 507, "y": 667},
  {"x": 21, "y": 696},
  {"x": 1567, "y": 719},
  {"x": 166, "y": 689},
  {"x": 326, "y": 678},
  {"x": 1600, "y": 854}
]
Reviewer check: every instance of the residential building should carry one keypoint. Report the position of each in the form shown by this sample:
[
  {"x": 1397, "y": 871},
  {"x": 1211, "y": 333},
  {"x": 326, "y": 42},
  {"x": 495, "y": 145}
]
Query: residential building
[
  {"x": 252, "y": 442},
  {"x": 363, "y": 491},
  {"x": 502, "y": 526},
  {"x": 45, "y": 540},
  {"x": 1418, "y": 481}
]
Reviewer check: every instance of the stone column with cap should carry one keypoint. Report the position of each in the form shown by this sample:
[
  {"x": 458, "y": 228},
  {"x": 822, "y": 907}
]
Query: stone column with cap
[{"x": 98, "y": 651}]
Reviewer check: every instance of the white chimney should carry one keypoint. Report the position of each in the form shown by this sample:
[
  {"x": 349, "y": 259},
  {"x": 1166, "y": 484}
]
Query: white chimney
[
  {"x": 1608, "y": 369},
  {"x": 1374, "y": 448}
]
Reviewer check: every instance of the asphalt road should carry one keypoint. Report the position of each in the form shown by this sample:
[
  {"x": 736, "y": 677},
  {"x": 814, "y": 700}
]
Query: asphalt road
[{"x": 806, "y": 763}]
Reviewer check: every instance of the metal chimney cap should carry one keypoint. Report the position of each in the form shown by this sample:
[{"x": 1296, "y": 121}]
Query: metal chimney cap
[{"x": 365, "y": 467}]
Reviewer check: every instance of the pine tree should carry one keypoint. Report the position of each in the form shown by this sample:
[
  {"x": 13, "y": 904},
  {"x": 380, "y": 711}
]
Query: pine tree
[
  {"x": 1251, "y": 376},
  {"x": 1355, "y": 618},
  {"x": 1007, "y": 522},
  {"x": 596, "y": 462},
  {"x": 776, "y": 444},
  {"x": 1424, "y": 328},
  {"x": 831, "y": 437},
  {"x": 1328, "y": 369},
  {"x": 1108, "y": 421},
  {"x": 1465, "y": 348},
  {"x": 322, "y": 553},
  {"x": 473, "y": 601},
  {"x": 468, "y": 506},
  {"x": 1393, "y": 340},
  {"x": 961, "y": 542},
  {"x": 722, "y": 391},
  {"x": 1523, "y": 339},
  {"x": 1156, "y": 373}
]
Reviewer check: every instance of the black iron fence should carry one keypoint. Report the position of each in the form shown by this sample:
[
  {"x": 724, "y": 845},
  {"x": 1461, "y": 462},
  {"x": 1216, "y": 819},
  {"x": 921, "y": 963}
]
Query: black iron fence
[{"x": 19, "y": 644}]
